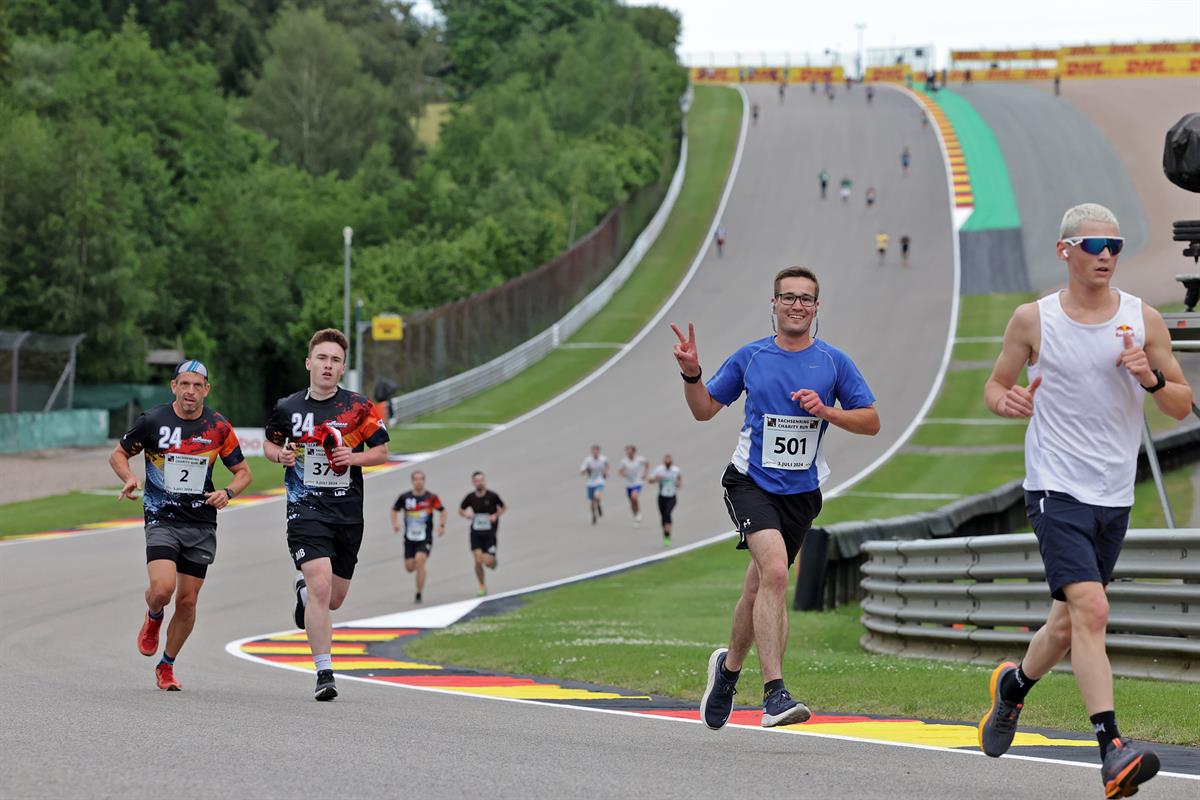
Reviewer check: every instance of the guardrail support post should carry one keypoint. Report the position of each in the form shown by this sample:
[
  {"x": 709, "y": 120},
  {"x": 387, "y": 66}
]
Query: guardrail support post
[{"x": 810, "y": 576}]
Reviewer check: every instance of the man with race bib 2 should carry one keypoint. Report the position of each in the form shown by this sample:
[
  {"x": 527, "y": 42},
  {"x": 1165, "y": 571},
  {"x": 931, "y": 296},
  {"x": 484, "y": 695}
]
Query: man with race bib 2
[
  {"x": 181, "y": 441},
  {"x": 792, "y": 382},
  {"x": 324, "y": 436}
]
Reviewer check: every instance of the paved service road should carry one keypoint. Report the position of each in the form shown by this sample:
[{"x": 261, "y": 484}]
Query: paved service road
[{"x": 81, "y": 717}]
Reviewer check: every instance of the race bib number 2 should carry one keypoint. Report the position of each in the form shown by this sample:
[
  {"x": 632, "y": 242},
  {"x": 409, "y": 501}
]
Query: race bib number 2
[
  {"x": 184, "y": 474},
  {"x": 789, "y": 442},
  {"x": 318, "y": 472}
]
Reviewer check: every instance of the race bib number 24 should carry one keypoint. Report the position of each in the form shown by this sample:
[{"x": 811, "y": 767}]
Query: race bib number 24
[{"x": 789, "y": 442}]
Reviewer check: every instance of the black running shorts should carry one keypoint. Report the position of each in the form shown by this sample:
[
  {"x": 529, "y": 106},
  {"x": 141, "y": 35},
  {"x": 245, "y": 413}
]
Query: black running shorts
[
  {"x": 485, "y": 541},
  {"x": 310, "y": 539},
  {"x": 753, "y": 509},
  {"x": 412, "y": 548}
]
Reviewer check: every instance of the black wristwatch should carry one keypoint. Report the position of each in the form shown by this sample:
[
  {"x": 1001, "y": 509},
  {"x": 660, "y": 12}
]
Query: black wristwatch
[
  {"x": 229, "y": 492},
  {"x": 1162, "y": 381},
  {"x": 691, "y": 378}
]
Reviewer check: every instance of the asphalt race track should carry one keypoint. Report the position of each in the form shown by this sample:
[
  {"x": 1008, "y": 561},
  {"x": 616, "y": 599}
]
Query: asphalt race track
[{"x": 81, "y": 716}]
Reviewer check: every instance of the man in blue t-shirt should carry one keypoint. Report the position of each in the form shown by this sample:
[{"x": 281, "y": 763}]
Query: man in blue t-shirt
[{"x": 773, "y": 483}]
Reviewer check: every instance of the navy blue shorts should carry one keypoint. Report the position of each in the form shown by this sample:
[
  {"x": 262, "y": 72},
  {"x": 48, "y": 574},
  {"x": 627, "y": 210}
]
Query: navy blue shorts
[{"x": 1079, "y": 542}]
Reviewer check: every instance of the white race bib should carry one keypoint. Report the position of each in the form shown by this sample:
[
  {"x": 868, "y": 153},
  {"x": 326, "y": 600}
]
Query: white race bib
[
  {"x": 666, "y": 487},
  {"x": 318, "y": 472},
  {"x": 415, "y": 530},
  {"x": 789, "y": 442},
  {"x": 481, "y": 522},
  {"x": 184, "y": 474}
]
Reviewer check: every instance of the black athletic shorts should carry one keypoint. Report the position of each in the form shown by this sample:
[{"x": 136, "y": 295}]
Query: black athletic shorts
[
  {"x": 665, "y": 506},
  {"x": 485, "y": 541},
  {"x": 753, "y": 508},
  {"x": 309, "y": 539},
  {"x": 412, "y": 548},
  {"x": 1079, "y": 542}
]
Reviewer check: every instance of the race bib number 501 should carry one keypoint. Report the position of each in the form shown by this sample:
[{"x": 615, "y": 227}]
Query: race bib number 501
[{"x": 789, "y": 442}]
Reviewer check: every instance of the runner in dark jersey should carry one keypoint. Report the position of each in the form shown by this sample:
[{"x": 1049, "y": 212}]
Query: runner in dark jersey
[
  {"x": 418, "y": 507},
  {"x": 324, "y": 436},
  {"x": 180, "y": 441},
  {"x": 483, "y": 508}
]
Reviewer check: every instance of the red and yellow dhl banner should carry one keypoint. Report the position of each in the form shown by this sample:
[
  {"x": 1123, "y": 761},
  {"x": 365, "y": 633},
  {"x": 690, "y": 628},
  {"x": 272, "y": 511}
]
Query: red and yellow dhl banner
[
  {"x": 1130, "y": 49},
  {"x": 1003, "y": 55},
  {"x": 766, "y": 74},
  {"x": 1148, "y": 65},
  {"x": 1031, "y": 74},
  {"x": 897, "y": 74}
]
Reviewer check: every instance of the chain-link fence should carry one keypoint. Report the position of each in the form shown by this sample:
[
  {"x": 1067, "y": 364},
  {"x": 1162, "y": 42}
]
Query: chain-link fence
[
  {"x": 37, "y": 371},
  {"x": 464, "y": 334}
]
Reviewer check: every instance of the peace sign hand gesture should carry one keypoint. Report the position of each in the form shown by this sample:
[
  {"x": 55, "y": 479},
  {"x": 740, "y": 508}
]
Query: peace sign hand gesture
[{"x": 685, "y": 351}]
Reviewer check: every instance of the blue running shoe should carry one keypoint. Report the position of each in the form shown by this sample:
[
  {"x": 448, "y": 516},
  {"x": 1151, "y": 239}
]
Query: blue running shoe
[
  {"x": 780, "y": 709},
  {"x": 717, "y": 703}
]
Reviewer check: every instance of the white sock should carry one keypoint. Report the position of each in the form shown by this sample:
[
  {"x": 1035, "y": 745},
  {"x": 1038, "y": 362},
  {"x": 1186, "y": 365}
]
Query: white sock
[
  {"x": 323, "y": 661},
  {"x": 304, "y": 595}
]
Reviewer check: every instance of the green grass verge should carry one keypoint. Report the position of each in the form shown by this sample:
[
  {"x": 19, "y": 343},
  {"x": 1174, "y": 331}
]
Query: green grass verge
[{"x": 81, "y": 508}]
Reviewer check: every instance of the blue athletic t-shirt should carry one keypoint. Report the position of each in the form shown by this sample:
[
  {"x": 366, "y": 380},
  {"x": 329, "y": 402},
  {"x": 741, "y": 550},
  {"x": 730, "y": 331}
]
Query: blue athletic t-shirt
[{"x": 768, "y": 374}]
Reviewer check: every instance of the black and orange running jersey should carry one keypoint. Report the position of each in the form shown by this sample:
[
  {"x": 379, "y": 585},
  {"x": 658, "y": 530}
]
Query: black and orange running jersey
[
  {"x": 418, "y": 514},
  {"x": 180, "y": 454},
  {"x": 314, "y": 490}
]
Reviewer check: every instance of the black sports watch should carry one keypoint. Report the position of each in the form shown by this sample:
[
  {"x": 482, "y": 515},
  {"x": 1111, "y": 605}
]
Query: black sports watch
[
  {"x": 229, "y": 492},
  {"x": 1162, "y": 381},
  {"x": 691, "y": 378}
]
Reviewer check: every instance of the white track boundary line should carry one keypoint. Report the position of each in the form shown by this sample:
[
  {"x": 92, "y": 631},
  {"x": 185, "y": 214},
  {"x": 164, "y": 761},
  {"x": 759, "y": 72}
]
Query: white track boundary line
[
  {"x": 232, "y": 649},
  {"x": 948, "y": 348}
]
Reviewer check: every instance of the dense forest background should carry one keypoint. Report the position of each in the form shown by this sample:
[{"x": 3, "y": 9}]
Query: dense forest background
[{"x": 178, "y": 172}]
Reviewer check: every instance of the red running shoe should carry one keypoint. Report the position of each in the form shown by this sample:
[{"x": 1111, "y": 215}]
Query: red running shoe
[
  {"x": 147, "y": 640},
  {"x": 165, "y": 673}
]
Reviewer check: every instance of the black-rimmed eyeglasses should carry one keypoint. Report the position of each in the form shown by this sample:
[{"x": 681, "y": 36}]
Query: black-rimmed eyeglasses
[{"x": 789, "y": 299}]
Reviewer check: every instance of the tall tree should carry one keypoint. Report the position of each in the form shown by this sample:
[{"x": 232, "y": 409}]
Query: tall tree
[{"x": 314, "y": 98}]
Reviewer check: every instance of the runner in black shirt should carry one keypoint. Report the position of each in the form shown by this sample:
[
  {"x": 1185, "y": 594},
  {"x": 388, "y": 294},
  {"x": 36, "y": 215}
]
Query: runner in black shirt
[
  {"x": 483, "y": 508},
  {"x": 181, "y": 441},
  {"x": 418, "y": 506},
  {"x": 324, "y": 436}
]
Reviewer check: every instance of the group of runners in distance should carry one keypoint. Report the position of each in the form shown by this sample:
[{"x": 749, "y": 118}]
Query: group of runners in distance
[
  {"x": 1080, "y": 472},
  {"x": 637, "y": 473},
  {"x": 871, "y": 196}
]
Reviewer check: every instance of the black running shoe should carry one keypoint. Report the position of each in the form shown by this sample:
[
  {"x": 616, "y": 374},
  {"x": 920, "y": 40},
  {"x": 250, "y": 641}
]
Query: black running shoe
[
  {"x": 717, "y": 703},
  {"x": 298, "y": 614},
  {"x": 1127, "y": 765},
  {"x": 999, "y": 725},
  {"x": 780, "y": 709},
  {"x": 326, "y": 689},
  {"x": 417, "y": 599}
]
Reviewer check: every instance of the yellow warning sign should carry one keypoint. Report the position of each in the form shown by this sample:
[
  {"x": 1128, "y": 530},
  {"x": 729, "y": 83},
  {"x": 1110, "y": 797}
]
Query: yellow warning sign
[{"x": 387, "y": 327}]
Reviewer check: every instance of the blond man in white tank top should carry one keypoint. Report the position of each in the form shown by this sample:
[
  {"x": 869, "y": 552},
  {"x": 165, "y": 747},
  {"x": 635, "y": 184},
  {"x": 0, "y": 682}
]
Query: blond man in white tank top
[{"x": 1094, "y": 353}]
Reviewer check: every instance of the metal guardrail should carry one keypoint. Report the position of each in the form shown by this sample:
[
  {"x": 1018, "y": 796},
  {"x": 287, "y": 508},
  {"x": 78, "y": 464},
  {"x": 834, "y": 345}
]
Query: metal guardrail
[
  {"x": 452, "y": 390},
  {"x": 981, "y": 598},
  {"x": 832, "y": 555}
]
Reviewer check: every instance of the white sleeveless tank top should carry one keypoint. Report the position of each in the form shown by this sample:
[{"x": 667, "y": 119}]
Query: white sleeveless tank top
[{"x": 1086, "y": 427}]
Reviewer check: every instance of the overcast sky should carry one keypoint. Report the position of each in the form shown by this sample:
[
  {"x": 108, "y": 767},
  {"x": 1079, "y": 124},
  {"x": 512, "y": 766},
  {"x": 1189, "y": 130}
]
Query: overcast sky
[
  {"x": 799, "y": 26},
  {"x": 776, "y": 27}
]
